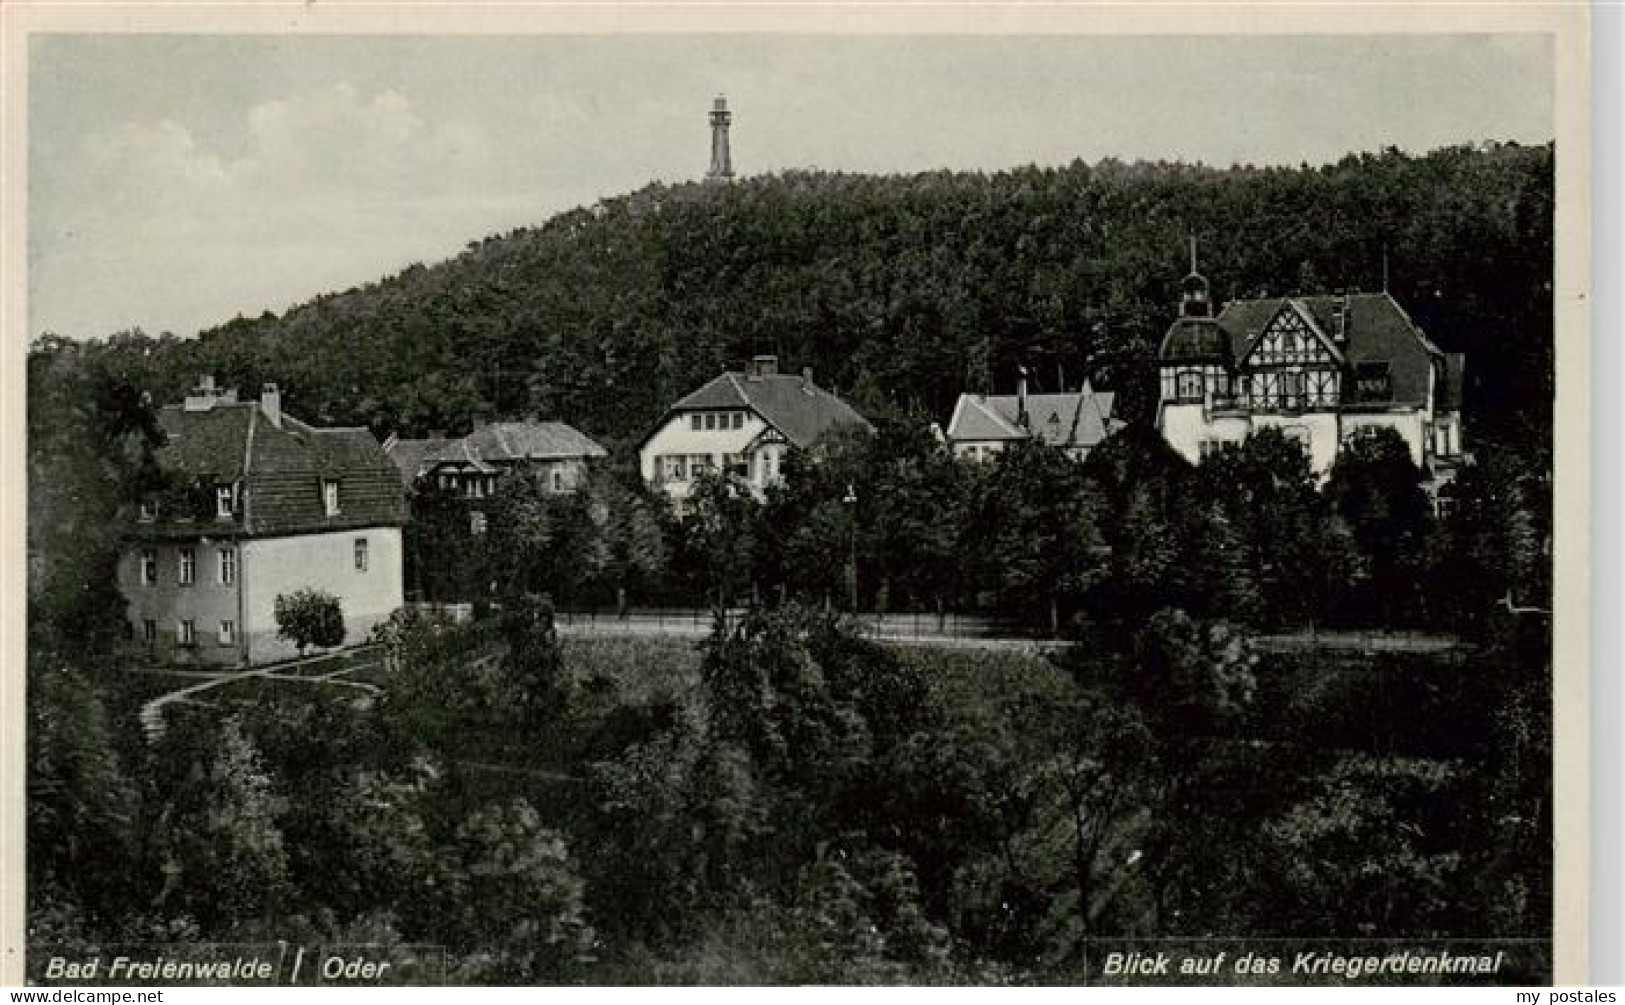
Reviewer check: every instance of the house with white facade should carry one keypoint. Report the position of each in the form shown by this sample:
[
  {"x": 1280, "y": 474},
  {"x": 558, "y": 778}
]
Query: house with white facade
[
  {"x": 983, "y": 425},
  {"x": 1315, "y": 367},
  {"x": 743, "y": 423},
  {"x": 258, "y": 503}
]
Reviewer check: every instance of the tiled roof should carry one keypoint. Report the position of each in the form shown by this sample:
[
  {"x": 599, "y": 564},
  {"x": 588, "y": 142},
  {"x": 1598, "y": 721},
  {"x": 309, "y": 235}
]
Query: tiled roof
[
  {"x": 497, "y": 443},
  {"x": 1376, "y": 329},
  {"x": 410, "y": 455},
  {"x": 530, "y": 441},
  {"x": 793, "y": 405},
  {"x": 281, "y": 469},
  {"x": 1073, "y": 419}
]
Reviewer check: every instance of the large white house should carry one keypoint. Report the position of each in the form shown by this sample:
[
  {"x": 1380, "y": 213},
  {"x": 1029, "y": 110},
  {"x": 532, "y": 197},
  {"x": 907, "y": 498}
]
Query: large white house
[
  {"x": 1074, "y": 421},
  {"x": 743, "y": 423},
  {"x": 1315, "y": 367},
  {"x": 259, "y": 504}
]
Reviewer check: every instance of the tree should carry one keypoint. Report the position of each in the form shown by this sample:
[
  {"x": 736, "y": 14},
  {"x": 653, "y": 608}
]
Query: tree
[
  {"x": 534, "y": 670},
  {"x": 309, "y": 617},
  {"x": 1363, "y": 853},
  {"x": 1039, "y": 519},
  {"x": 511, "y": 901},
  {"x": 1266, "y": 490},
  {"x": 224, "y": 861},
  {"x": 1376, "y": 489}
]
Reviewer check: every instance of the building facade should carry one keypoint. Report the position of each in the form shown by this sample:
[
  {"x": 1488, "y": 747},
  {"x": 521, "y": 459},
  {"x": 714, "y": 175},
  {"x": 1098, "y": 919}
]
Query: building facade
[
  {"x": 743, "y": 424},
  {"x": 983, "y": 425},
  {"x": 258, "y": 504},
  {"x": 1316, "y": 367}
]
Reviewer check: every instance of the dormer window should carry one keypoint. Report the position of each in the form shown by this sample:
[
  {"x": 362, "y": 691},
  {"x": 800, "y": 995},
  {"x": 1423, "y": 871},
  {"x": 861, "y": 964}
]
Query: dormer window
[
  {"x": 330, "y": 496},
  {"x": 225, "y": 501}
]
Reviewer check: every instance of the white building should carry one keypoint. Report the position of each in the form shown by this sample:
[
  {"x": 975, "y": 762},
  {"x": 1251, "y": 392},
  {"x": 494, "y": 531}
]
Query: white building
[
  {"x": 743, "y": 423},
  {"x": 259, "y": 504},
  {"x": 1074, "y": 421},
  {"x": 1315, "y": 367}
]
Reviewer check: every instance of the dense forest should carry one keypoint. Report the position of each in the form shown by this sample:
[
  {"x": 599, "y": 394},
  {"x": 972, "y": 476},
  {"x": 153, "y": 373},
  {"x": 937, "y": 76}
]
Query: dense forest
[{"x": 903, "y": 291}]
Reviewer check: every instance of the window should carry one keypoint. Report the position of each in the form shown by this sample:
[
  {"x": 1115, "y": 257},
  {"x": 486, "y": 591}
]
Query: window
[
  {"x": 149, "y": 510},
  {"x": 186, "y": 633},
  {"x": 149, "y": 631},
  {"x": 695, "y": 421},
  {"x": 187, "y": 572},
  {"x": 228, "y": 566},
  {"x": 330, "y": 497},
  {"x": 558, "y": 479},
  {"x": 223, "y": 502},
  {"x": 739, "y": 420},
  {"x": 476, "y": 523},
  {"x": 1209, "y": 448},
  {"x": 361, "y": 554},
  {"x": 149, "y": 566},
  {"x": 1372, "y": 382},
  {"x": 1190, "y": 384},
  {"x": 1294, "y": 387},
  {"x": 228, "y": 633},
  {"x": 710, "y": 420},
  {"x": 673, "y": 468}
]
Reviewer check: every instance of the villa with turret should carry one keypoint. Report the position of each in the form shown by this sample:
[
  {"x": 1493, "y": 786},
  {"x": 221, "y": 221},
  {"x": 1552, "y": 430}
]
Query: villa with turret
[{"x": 1315, "y": 367}]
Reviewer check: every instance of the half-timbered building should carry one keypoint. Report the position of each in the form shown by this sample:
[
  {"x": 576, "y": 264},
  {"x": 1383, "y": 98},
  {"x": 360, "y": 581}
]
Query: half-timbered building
[{"x": 1315, "y": 367}]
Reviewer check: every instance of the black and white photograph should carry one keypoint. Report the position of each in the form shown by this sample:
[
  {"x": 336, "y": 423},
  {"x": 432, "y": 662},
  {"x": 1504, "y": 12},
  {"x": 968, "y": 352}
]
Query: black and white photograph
[{"x": 724, "y": 505}]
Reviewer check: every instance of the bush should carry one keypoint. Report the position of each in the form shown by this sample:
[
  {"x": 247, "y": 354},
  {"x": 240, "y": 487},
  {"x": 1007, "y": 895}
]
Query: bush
[{"x": 309, "y": 618}]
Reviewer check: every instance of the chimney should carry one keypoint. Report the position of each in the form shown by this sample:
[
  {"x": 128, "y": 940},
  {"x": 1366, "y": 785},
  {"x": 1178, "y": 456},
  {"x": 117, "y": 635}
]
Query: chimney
[
  {"x": 806, "y": 377},
  {"x": 271, "y": 404},
  {"x": 1340, "y": 322},
  {"x": 203, "y": 396},
  {"x": 764, "y": 366},
  {"x": 1021, "y": 400}
]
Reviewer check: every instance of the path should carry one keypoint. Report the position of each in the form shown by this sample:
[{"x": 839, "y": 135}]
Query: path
[{"x": 152, "y": 713}]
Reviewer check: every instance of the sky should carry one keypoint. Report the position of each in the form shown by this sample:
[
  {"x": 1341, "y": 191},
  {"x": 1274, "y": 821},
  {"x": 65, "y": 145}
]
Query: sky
[{"x": 177, "y": 181}]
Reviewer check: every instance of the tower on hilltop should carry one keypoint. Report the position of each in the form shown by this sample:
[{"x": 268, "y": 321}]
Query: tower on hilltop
[{"x": 721, "y": 163}]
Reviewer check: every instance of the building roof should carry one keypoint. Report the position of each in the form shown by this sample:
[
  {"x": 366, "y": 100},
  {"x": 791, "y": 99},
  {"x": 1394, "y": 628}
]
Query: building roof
[
  {"x": 1072, "y": 419},
  {"x": 411, "y": 456},
  {"x": 1196, "y": 339},
  {"x": 280, "y": 469},
  {"x": 1375, "y": 330},
  {"x": 795, "y": 406},
  {"x": 493, "y": 444},
  {"x": 530, "y": 441}
]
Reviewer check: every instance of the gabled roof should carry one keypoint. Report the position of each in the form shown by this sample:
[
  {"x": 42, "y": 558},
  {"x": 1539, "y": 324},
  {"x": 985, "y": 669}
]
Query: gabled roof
[
  {"x": 793, "y": 405},
  {"x": 1375, "y": 329},
  {"x": 530, "y": 441},
  {"x": 1073, "y": 419},
  {"x": 281, "y": 468},
  {"x": 411, "y": 456},
  {"x": 497, "y": 443}
]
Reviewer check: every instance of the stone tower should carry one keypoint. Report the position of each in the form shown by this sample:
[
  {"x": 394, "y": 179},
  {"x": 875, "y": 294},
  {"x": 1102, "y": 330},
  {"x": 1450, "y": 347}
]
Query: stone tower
[{"x": 721, "y": 163}]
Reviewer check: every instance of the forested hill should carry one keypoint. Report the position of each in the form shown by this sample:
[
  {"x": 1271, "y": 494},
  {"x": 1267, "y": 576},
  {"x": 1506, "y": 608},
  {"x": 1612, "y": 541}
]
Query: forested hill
[{"x": 906, "y": 290}]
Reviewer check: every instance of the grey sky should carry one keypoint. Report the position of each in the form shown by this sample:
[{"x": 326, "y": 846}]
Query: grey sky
[{"x": 177, "y": 181}]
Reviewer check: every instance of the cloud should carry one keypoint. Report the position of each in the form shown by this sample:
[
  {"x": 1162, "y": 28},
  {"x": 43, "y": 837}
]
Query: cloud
[{"x": 325, "y": 187}]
